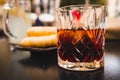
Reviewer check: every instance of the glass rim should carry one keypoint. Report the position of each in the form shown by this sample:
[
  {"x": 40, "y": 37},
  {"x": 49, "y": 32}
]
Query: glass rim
[{"x": 65, "y": 8}]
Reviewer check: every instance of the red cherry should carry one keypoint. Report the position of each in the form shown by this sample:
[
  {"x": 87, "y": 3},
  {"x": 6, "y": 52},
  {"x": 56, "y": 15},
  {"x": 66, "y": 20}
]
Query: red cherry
[{"x": 76, "y": 14}]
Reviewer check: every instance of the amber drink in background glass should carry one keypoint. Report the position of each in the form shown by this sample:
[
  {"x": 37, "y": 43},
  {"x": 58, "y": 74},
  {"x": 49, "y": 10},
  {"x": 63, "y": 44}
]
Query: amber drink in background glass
[{"x": 81, "y": 37}]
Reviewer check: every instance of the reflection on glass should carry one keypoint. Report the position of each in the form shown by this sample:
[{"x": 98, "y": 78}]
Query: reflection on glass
[
  {"x": 40, "y": 67},
  {"x": 43, "y": 61},
  {"x": 74, "y": 75}
]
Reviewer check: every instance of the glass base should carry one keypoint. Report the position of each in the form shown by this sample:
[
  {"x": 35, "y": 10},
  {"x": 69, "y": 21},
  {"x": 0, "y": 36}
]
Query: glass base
[{"x": 81, "y": 66}]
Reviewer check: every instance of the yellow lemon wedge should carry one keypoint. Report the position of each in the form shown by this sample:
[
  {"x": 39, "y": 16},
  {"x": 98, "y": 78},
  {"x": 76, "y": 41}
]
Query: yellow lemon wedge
[{"x": 14, "y": 12}]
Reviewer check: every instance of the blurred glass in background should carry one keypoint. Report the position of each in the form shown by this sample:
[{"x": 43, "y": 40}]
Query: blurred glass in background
[{"x": 16, "y": 19}]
